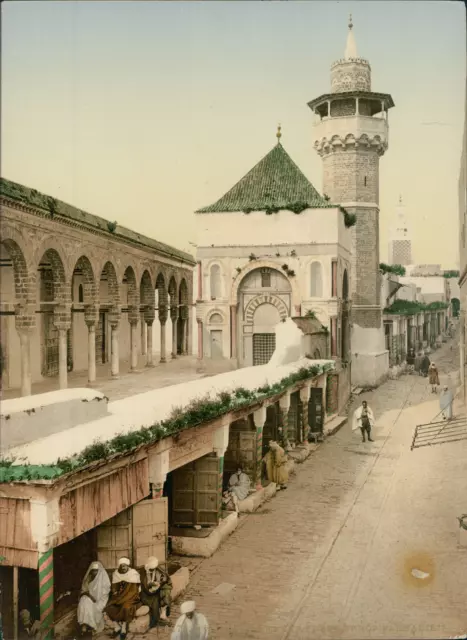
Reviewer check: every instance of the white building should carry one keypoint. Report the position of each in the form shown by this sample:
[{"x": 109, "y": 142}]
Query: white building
[
  {"x": 269, "y": 249},
  {"x": 400, "y": 238}
]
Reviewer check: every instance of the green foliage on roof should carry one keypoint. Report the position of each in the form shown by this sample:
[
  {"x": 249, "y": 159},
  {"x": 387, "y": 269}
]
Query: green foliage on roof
[
  {"x": 409, "y": 308},
  {"x": 199, "y": 411},
  {"x": 274, "y": 184},
  {"x": 451, "y": 274},
  {"x": 57, "y": 208},
  {"x": 395, "y": 269}
]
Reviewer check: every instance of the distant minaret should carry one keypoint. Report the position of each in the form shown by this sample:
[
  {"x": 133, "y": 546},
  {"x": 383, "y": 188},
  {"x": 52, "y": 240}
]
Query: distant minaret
[
  {"x": 400, "y": 240},
  {"x": 351, "y": 136}
]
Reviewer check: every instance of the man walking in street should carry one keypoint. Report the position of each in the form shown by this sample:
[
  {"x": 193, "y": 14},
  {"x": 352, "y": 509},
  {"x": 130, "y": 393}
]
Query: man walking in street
[
  {"x": 364, "y": 420},
  {"x": 191, "y": 625}
]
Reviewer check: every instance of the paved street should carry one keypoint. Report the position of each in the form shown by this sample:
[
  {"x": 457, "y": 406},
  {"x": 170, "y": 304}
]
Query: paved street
[{"x": 332, "y": 557}]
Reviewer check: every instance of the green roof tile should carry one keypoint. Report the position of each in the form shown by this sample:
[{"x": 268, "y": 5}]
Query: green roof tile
[
  {"x": 33, "y": 198},
  {"x": 274, "y": 183}
]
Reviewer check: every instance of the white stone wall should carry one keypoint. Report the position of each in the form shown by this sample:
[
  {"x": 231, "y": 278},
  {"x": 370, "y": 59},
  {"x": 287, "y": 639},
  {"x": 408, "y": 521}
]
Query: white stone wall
[{"x": 307, "y": 243}]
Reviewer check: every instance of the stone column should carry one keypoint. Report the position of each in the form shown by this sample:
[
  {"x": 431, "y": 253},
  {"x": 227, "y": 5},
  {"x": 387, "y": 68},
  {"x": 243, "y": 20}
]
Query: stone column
[
  {"x": 25, "y": 346},
  {"x": 259, "y": 418},
  {"x": 305, "y": 397},
  {"x": 233, "y": 330},
  {"x": 284, "y": 404},
  {"x": 114, "y": 358},
  {"x": 163, "y": 322},
  {"x": 91, "y": 352},
  {"x": 149, "y": 356},
  {"x": 200, "y": 339},
  {"x": 174, "y": 318},
  {"x": 46, "y": 594},
  {"x": 62, "y": 321},
  {"x": 158, "y": 467},
  {"x": 133, "y": 344},
  {"x": 143, "y": 336}
]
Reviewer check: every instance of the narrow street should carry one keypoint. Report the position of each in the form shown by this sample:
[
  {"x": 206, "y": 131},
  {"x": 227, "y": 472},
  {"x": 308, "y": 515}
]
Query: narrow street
[{"x": 332, "y": 557}]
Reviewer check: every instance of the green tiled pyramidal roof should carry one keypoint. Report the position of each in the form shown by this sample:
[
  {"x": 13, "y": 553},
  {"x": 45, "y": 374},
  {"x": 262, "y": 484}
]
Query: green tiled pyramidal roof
[{"x": 274, "y": 183}]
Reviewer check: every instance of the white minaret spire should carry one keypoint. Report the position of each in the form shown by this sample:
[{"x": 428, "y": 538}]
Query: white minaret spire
[{"x": 351, "y": 48}]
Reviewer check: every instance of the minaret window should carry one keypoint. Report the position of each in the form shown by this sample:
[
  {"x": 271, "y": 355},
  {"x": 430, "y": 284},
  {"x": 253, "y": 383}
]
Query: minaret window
[
  {"x": 364, "y": 181},
  {"x": 80, "y": 293}
]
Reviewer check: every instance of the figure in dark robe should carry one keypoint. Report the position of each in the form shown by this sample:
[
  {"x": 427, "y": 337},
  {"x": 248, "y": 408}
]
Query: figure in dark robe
[
  {"x": 156, "y": 590},
  {"x": 124, "y": 599}
]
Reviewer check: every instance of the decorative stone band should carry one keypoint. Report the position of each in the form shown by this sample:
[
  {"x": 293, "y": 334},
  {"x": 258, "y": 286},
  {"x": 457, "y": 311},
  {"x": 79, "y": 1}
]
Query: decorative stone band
[
  {"x": 262, "y": 299},
  {"x": 343, "y": 61},
  {"x": 350, "y": 142},
  {"x": 46, "y": 594}
]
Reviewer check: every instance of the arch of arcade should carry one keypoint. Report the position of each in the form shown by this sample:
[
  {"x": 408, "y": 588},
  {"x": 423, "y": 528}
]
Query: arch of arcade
[{"x": 78, "y": 291}]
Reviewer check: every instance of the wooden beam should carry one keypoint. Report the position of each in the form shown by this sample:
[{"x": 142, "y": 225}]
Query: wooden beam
[{"x": 15, "y": 603}]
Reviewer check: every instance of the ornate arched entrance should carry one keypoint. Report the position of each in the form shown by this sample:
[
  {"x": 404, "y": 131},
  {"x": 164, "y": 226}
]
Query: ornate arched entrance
[{"x": 264, "y": 299}]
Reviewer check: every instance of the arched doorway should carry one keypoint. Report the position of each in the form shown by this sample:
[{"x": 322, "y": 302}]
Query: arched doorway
[{"x": 264, "y": 299}]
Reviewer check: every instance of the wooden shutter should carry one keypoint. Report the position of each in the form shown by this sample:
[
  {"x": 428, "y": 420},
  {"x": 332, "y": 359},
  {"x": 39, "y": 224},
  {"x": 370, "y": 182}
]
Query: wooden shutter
[
  {"x": 115, "y": 539},
  {"x": 150, "y": 531},
  {"x": 196, "y": 496}
]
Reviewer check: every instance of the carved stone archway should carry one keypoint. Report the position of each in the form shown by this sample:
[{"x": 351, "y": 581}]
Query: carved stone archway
[{"x": 265, "y": 298}]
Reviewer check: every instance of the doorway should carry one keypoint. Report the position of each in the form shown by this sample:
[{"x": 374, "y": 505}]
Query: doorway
[
  {"x": 316, "y": 411},
  {"x": 216, "y": 344},
  {"x": 196, "y": 493}
]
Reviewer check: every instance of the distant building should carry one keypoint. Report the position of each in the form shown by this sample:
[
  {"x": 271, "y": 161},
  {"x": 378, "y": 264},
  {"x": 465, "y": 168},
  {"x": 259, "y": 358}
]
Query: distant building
[{"x": 400, "y": 242}]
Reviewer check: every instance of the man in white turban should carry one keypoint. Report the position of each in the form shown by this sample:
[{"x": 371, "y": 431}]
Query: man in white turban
[
  {"x": 94, "y": 597},
  {"x": 191, "y": 625},
  {"x": 156, "y": 589},
  {"x": 124, "y": 600}
]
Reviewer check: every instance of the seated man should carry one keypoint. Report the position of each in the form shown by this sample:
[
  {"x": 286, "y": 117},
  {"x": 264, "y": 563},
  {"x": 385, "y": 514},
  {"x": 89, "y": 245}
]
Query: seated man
[
  {"x": 28, "y": 627},
  {"x": 156, "y": 589},
  {"x": 239, "y": 487},
  {"x": 94, "y": 597},
  {"x": 124, "y": 599}
]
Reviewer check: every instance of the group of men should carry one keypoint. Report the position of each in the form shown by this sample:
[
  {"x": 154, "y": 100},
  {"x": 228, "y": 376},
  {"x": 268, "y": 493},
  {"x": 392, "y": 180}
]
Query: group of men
[{"x": 126, "y": 595}]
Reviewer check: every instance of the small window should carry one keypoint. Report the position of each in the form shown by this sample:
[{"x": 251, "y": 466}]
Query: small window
[
  {"x": 364, "y": 181},
  {"x": 80, "y": 293},
  {"x": 265, "y": 278}
]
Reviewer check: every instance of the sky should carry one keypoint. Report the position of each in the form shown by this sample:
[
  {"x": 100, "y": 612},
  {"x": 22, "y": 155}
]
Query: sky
[{"x": 143, "y": 112}]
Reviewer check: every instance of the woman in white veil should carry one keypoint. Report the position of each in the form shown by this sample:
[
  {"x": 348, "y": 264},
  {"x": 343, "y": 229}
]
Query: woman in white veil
[{"x": 94, "y": 596}]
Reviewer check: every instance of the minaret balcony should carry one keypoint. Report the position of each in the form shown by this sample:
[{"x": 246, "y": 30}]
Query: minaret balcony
[{"x": 347, "y": 131}]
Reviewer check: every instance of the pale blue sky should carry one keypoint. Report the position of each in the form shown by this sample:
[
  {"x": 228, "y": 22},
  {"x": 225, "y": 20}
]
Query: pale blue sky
[{"x": 143, "y": 112}]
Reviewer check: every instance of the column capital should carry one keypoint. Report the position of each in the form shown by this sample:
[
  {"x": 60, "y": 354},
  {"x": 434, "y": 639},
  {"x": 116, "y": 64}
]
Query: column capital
[
  {"x": 158, "y": 467},
  {"x": 284, "y": 401},
  {"x": 305, "y": 393},
  {"x": 259, "y": 417},
  {"x": 220, "y": 440},
  {"x": 91, "y": 314}
]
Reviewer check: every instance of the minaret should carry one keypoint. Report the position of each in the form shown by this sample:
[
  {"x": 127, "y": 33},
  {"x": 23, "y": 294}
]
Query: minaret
[
  {"x": 351, "y": 135},
  {"x": 400, "y": 240}
]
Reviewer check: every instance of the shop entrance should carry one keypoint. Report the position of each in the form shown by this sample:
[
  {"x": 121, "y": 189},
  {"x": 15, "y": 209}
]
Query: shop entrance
[{"x": 196, "y": 489}]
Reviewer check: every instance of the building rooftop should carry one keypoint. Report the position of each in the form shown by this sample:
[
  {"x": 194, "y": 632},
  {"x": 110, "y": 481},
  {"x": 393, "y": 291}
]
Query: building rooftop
[
  {"x": 275, "y": 183},
  {"x": 58, "y": 209}
]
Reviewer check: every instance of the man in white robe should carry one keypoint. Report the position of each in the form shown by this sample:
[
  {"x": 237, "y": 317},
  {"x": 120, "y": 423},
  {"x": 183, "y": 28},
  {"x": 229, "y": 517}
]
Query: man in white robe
[
  {"x": 239, "y": 488},
  {"x": 445, "y": 403},
  {"x": 191, "y": 625},
  {"x": 364, "y": 420},
  {"x": 94, "y": 597}
]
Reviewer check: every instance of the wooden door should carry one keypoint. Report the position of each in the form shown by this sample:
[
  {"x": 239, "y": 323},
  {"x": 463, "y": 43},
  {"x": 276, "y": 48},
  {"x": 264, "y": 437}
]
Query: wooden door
[
  {"x": 316, "y": 410},
  {"x": 196, "y": 495},
  {"x": 270, "y": 428},
  {"x": 294, "y": 419},
  {"x": 242, "y": 448},
  {"x": 332, "y": 393},
  {"x": 216, "y": 345},
  {"x": 150, "y": 531},
  {"x": 50, "y": 345},
  {"x": 115, "y": 539}
]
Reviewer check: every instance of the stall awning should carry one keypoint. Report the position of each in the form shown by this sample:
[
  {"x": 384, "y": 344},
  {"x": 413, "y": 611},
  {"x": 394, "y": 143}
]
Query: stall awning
[{"x": 441, "y": 432}]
